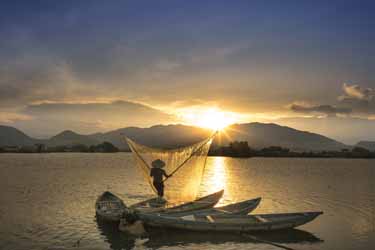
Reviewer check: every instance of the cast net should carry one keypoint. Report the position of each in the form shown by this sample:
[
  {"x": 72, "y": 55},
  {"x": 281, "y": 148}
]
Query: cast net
[{"x": 185, "y": 166}]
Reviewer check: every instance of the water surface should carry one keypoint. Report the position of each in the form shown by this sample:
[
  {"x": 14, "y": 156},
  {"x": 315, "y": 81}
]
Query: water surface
[{"x": 47, "y": 201}]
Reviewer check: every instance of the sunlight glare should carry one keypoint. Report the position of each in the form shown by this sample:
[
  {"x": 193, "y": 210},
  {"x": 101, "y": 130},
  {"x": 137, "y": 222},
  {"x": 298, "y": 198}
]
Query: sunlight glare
[
  {"x": 216, "y": 176},
  {"x": 211, "y": 118}
]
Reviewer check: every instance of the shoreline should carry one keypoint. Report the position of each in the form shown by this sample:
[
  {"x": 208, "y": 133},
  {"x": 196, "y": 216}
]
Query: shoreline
[{"x": 216, "y": 155}]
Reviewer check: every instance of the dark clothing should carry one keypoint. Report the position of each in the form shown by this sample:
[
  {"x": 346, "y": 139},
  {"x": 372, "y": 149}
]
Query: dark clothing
[
  {"x": 159, "y": 186},
  {"x": 157, "y": 174}
]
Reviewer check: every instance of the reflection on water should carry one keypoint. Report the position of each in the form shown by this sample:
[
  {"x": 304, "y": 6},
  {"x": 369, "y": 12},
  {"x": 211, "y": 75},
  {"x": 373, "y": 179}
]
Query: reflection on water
[
  {"x": 176, "y": 237},
  {"x": 47, "y": 201},
  {"x": 171, "y": 238},
  {"x": 215, "y": 177},
  {"x": 116, "y": 239}
]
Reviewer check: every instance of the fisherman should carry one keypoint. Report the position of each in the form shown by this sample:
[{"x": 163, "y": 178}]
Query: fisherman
[{"x": 157, "y": 172}]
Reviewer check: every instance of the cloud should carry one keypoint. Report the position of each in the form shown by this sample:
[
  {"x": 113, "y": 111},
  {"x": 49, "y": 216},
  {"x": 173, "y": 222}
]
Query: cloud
[
  {"x": 11, "y": 117},
  {"x": 36, "y": 78},
  {"x": 216, "y": 54},
  {"x": 117, "y": 111},
  {"x": 360, "y": 100},
  {"x": 320, "y": 109},
  {"x": 357, "y": 92},
  {"x": 51, "y": 118},
  {"x": 356, "y": 101}
]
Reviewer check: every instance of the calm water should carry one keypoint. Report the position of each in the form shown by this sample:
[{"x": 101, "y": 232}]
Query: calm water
[{"x": 47, "y": 201}]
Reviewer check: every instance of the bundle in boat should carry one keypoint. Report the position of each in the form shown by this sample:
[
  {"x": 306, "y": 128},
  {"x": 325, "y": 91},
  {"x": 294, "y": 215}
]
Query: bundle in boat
[
  {"x": 109, "y": 207},
  {"x": 229, "y": 223}
]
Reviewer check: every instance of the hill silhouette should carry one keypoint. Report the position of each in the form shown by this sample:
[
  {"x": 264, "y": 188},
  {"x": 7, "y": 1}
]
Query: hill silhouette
[
  {"x": 370, "y": 145},
  {"x": 258, "y": 135},
  {"x": 69, "y": 137},
  {"x": 10, "y": 136},
  {"x": 261, "y": 135}
]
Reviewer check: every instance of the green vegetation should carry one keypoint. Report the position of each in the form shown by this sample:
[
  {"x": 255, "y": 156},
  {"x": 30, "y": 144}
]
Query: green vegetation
[
  {"x": 104, "y": 147},
  {"x": 242, "y": 149}
]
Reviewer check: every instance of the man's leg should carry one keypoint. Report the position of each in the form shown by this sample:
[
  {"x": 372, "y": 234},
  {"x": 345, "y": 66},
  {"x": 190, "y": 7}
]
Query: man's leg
[
  {"x": 158, "y": 187},
  {"x": 161, "y": 189}
]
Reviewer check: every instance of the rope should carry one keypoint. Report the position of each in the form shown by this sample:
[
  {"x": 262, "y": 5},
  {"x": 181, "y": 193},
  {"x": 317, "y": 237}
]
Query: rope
[
  {"x": 136, "y": 152},
  {"x": 144, "y": 162}
]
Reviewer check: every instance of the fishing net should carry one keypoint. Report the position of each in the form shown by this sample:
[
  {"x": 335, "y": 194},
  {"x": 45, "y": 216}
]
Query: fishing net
[{"x": 185, "y": 165}]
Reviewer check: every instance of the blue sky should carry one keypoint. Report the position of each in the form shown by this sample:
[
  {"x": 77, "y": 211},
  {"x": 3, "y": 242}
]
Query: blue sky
[{"x": 259, "y": 59}]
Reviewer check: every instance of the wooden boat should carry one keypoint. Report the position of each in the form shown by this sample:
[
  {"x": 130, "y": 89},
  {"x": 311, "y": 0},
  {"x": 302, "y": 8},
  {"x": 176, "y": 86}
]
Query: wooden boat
[
  {"x": 229, "y": 223},
  {"x": 243, "y": 207},
  {"x": 109, "y": 207},
  {"x": 201, "y": 203}
]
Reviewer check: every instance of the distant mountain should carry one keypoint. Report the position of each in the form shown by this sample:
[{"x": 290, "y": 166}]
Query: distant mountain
[
  {"x": 258, "y": 135},
  {"x": 370, "y": 145},
  {"x": 68, "y": 137},
  {"x": 168, "y": 136},
  {"x": 10, "y": 136}
]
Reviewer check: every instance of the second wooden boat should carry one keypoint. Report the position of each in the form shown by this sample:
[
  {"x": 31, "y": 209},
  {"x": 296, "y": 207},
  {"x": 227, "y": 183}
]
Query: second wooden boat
[
  {"x": 201, "y": 203},
  {"x": 242, "y": 208},
  {"x": 111, "y": 208},
  {"x": 231, "y": 223}
]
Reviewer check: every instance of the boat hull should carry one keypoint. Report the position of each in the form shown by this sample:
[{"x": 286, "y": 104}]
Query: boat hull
[
  {"x": 240, "y": 224},
  {"x": 239, "y": 208},
  {"x": 109, "y": 207}
]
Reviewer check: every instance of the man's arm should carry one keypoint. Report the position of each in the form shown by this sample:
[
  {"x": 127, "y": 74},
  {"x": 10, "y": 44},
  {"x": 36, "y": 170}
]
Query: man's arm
[{"x": 166, "y": 175}]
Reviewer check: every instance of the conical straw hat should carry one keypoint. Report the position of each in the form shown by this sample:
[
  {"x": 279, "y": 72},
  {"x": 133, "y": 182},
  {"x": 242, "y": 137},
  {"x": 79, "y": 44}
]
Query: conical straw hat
[{"x": 158, "y": 163}]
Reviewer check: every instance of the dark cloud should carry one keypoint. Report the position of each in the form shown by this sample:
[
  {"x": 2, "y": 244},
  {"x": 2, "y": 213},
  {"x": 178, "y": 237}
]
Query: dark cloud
[
  {"x": 356, "y": 101},
  {"x": 321, "y": 109},
  {"x": 360, "y": 100},
  {"x": 35, "y": 78}
]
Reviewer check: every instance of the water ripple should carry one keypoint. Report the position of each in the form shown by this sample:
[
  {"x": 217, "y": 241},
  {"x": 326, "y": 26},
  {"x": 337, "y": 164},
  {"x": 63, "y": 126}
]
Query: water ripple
[{"x": 47, "y": 201}]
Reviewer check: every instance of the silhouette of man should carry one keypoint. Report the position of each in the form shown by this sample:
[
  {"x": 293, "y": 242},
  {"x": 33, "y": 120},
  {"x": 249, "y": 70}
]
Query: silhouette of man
[{"x": 157, "y": 172}]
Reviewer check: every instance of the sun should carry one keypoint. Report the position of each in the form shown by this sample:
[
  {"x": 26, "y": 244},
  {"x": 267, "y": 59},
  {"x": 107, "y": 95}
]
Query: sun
[{"x": 211, "y": 118}]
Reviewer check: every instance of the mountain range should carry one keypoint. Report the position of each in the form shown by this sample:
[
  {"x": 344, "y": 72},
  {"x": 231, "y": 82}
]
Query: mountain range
[
  {"x": 258, "y": 135},
  {"x": 370, "y": 145}
]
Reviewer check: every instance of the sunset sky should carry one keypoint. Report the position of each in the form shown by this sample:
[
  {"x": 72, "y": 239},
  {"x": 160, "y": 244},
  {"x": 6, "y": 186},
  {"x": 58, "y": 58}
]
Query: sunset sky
[{"x": 95, "y": 66}]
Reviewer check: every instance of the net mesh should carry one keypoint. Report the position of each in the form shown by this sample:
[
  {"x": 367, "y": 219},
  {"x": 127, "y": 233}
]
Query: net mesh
[{"x": 185, "y": 165}]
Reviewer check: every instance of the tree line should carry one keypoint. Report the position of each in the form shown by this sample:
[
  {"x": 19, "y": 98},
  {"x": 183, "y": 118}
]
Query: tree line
[
  {"x": 105, "y": 147},
  {"x": 234, "y": 149},
  {"x": 242, "y": 149}
]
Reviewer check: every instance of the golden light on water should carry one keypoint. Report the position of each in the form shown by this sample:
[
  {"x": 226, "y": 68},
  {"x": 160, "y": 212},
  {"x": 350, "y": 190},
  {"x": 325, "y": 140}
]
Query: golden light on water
[{"x": 216, "y": 176}]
